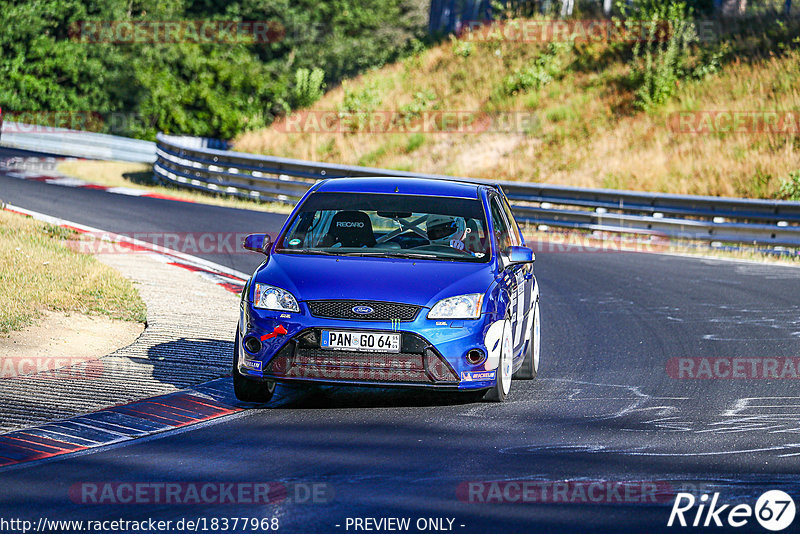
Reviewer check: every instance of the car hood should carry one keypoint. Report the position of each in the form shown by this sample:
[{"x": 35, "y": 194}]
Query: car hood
[{"x": 420, "y": 282}]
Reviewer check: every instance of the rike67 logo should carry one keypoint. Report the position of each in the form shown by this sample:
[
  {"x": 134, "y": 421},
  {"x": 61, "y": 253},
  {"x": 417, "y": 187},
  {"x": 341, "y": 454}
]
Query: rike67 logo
[{"x": 774, "y": 510}]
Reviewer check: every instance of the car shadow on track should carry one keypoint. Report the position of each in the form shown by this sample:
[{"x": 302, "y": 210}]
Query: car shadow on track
[
  {"x": 188, "y": 362},
  {"x": 337, "y": 397}
]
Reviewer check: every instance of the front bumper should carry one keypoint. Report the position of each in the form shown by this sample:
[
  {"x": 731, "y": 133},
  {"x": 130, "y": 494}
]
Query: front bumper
[{"x": 432, "y": 352}]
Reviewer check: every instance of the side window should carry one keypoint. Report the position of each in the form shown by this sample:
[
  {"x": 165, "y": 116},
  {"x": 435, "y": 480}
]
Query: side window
[
  {"x": 516, "y": 237},
  {"x": 501, "y": 231}
]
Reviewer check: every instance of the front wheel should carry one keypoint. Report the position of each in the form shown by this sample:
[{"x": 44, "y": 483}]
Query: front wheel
[
  {"x": 247, "y": 389},
  {"x": 530, "y": 365},
  {"x": 502, "y": 384}
]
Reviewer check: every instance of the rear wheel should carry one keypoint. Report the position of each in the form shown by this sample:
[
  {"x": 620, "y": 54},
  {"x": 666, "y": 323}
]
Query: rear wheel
[
  {"x": 530, "y": 365},
  {"x": 246, "y": 389},
  {"x": 502, "y": 384}
]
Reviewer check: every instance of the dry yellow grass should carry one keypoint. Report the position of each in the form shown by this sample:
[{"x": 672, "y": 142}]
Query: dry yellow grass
[
  {"x": 39, "y": 272},
  {"x": 586, "y": 131},
  {"x": 140, "y": 176}
]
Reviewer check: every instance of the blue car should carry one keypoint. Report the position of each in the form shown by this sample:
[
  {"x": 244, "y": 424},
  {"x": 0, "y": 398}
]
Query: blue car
[{"x": 391, "y": 282}]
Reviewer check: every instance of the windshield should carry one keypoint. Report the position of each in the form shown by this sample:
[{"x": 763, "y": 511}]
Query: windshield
[{"x": 361, "y": 224}]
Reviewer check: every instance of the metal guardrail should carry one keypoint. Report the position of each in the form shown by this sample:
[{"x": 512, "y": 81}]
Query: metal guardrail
[
  {"x": 770, "y": 222},
  {"x": 72, "y": 143}
]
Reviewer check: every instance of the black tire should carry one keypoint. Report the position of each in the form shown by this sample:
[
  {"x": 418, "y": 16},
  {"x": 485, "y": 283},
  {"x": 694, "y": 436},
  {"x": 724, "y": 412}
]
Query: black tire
[
  {"x": 499, "y": 392},
  {"x": 529, "y": 367},
  {"x": 245, "y": 389}
]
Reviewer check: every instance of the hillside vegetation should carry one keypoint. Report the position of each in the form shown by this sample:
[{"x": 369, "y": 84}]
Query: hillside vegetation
[{"x": 602, "y": 114}]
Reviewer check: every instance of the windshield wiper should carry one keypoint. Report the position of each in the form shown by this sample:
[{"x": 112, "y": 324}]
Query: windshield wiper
[
  {"x": 414, "y": 255},
  {"x": 306, "y": 251},
  {"x": 335, "y": 252},
  {"x": 365, "y": 253}
]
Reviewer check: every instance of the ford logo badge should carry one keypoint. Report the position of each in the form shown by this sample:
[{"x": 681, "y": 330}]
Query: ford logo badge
[{"x": 362, "y": 310}]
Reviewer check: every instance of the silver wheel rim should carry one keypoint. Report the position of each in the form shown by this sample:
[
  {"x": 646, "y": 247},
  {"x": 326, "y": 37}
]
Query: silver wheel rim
[
  {"x": 535, "y": 339},
  {"x": 505, "y": 360}
]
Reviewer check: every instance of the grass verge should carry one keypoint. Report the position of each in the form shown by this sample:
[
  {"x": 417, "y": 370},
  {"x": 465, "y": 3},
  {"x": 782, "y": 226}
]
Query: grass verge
[{"x": 39, "y": 272}]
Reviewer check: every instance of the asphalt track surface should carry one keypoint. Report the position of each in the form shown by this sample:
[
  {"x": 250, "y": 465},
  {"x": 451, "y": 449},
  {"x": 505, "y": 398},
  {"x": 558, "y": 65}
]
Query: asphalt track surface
[{"x": 604, "y": 407}]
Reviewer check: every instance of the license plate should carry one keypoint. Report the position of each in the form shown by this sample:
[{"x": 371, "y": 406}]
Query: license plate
[{"x": 360, "y": 341}]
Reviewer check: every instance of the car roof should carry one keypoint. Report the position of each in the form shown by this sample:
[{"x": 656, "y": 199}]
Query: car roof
[{"x": 402, "y": 186}]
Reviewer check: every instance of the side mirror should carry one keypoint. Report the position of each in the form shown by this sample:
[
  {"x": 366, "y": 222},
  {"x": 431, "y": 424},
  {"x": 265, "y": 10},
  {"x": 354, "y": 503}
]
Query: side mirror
[
  {"x": 519, "y": 255},
  {"x": 258, "y": 243}
]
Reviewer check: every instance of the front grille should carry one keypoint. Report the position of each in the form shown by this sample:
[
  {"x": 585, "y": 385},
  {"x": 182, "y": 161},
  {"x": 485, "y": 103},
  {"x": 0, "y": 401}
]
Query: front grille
[
  {"x": 417, "y": 363},
  {"x": 382, "y": 311}
]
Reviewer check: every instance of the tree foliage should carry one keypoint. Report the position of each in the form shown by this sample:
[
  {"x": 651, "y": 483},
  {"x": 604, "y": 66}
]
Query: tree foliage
[{"x": 212, "y": 89}]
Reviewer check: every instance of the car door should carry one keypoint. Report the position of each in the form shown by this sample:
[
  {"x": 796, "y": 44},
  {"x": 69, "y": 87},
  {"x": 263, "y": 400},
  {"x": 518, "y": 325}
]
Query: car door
[
  {"x": 514, "y": 279},
  {"x": 525, "y": 274}
]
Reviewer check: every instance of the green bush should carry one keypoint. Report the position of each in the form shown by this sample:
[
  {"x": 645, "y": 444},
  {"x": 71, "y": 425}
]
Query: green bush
[
  {"x": 463, "y": 48},
  {"x": 790, "y": 188},
  {"x": 421, "y": 101},
  {"x": 658, "y": 62},
  {"x": 543, "y": 70},
  {"x": 415, "y": 141},
  {"x": 308, "y": 87},
  {"x": 360, "y": 104},
  {"x": 670, "y": 52}
]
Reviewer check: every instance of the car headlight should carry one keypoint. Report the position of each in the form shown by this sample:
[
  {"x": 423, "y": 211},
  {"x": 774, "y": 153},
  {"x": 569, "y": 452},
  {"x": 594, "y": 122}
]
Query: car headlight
[
  {"x": 460, "y": 307},
  {"x": 274, "y": 298}
]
